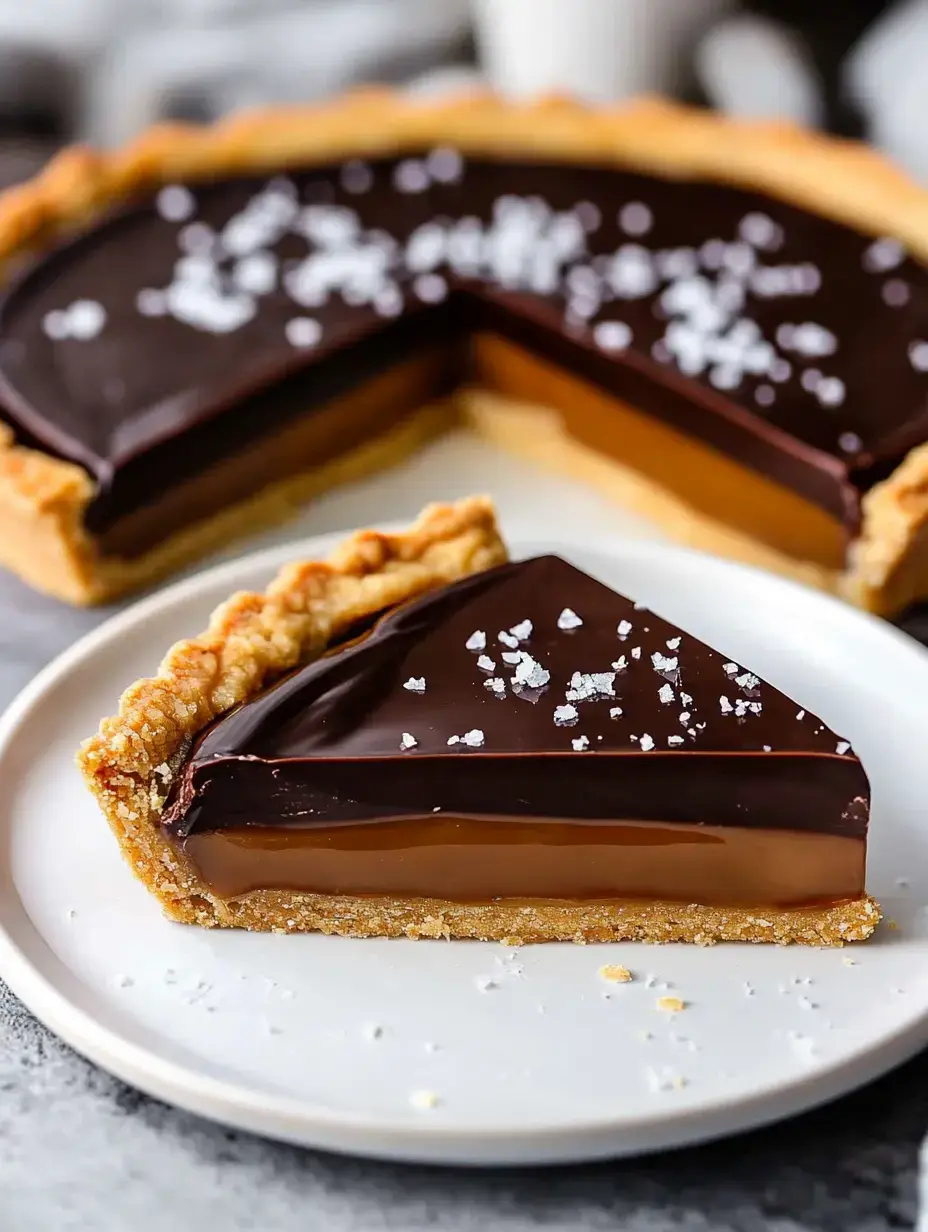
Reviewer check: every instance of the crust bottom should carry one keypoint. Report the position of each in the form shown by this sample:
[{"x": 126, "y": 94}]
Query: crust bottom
[{"x": 517, "y": 924}]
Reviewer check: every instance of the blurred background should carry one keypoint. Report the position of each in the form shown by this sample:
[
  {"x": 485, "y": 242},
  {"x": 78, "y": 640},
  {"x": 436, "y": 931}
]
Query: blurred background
[{"x": 101, "y": 70}]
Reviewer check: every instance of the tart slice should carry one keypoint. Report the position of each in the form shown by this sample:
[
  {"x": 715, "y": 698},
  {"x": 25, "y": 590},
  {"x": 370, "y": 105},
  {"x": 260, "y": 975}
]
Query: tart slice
[{"x": 419, "y": 738}]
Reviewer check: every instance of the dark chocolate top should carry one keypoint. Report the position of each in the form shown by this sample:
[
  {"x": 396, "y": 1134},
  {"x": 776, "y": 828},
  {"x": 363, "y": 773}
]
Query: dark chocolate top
[
  {"x": 795, "y": 343},
  {"x": 531, "y": 689}
]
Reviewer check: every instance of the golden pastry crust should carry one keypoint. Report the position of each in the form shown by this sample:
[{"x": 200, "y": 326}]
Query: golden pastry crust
[
  {"x": 130, "y": 764},
  {"x": 251, "y": 639},
  {"x": 428, "y": 918},
  {"x": 43, "y": 499}
]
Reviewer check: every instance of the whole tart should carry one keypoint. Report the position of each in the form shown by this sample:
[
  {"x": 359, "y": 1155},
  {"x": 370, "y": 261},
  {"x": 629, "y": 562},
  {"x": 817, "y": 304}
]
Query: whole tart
[
  {"x": 418, "y": 737},
  {"x": 722, "y": 325}
]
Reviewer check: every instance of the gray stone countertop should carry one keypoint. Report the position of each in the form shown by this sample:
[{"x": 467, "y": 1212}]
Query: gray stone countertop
[{"x": 82, "y": 1152}]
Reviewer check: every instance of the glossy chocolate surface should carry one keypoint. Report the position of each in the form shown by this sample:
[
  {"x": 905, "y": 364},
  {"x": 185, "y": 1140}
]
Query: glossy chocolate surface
[
  {"x": 618, "y": 717},
  {"x": 190, "y": 324}
]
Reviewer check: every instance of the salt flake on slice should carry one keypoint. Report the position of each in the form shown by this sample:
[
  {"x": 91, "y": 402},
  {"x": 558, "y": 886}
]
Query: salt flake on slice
[
  {"x": 664, "y": 663},
  {"x": 665, "y": 693},
  {"x": 615, "y": 712},
  {"x": 580, "y": 744},
  {"x": 646, "y": 743},
  {"x": 530, "y": 674},
  {"x": 495, "y": 685},
  {"x": 507, "y": 639},
  {"x": 624, "y": 628},
  {"x": 842, "y": 747},
  {"x": 568, "y": 619},
  {"x": 725, "y": 705},
  {"x": 415, "y": 684},
  {"x": 522, "y": 631},
  {"x": 476, "y": 641},
  {"x": 564, "y": 715},
  {"x": 408, "y": 741},
  {"x": 673, "y": 643},
  {"x": 486, "y": 664}
]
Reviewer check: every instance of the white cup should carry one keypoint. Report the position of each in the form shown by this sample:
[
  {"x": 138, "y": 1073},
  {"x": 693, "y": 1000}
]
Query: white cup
[{"x": 595, "y": 49}]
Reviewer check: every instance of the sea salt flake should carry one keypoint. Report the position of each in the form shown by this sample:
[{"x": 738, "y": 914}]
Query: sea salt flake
[
  {"x": 747, "y": 681},
  {"x": 568, "y": 619},
  {"x": 522, "y": 631},
  {"x": 615, "y": 712},
  {"x": 730, "y": 669},
  {"x": 801, "y": 715},
  {"x": 725, "y": 705},
  {"x": 302, "y": 332},
  {"x": 410, "y": 176},
  {"x": 530, "y": 673},
  {"x": 86, "y": 319},
  {"x": 674, "y": 739},
  {"x": 175, "y": 203},
  {"x": 495, "y": 685},
  {"x": 896, "y": 293},
  {"x": 685, "y": 717},
  {"x": 918, "y": 356},
  {"x": 673, "y": 643},
  {"x": 612, "y": 335},
  {"x": 620, "y": 664},
  {"x": 151, "y": 302},
  {"x": 564, "y": 715},
  {"x": 408, "y": 741},
  {"x": 512, "y": 656},
  {"x": 635, "y": 652},
  {"x": 842, "y": 747},
  {"x": 55, "y": 325},
  {"x": 850, "y": 442},
  {"x": 444, "y": 165},
  {"x": 485, "y": 663},
  {"x": 624, "y": 628},
  {"x": 508, "y": 639},
  {"x": 415, "y": 684},
  {"x": 473, "y": 739},
  {"x": 664, "y": 663},
  {"x": 356, "y": 177},
  {"x": 580, "y": 744},
  {"x": 882, "y": 255},
  {"x": 647, "y": 743},
  {"x": 665, "y": 693},
  {"x": 477, "y": 640}
]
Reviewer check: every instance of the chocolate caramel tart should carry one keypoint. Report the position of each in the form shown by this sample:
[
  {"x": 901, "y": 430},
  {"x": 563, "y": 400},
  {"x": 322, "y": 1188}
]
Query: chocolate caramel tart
[
  {"x": 518, "y": 753},
  {"x": 724, "y": 326}
]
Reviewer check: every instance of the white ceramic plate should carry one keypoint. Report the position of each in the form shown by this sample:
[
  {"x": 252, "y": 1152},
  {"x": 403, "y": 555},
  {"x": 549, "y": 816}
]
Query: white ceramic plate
[{"x": 324, "y": 1041}]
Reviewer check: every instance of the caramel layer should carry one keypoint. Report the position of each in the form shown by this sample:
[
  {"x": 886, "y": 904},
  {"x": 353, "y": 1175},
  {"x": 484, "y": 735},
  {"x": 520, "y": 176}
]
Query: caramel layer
[
  {"x": 479, "y": 860},
  {"x": 713, "y": 484},
  {"x": 308, "y": 441}
]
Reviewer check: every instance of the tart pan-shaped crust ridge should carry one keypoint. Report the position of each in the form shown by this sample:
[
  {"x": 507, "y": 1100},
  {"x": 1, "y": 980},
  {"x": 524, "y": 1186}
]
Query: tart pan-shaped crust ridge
[
  {"x": 251, "y": 639},
  {"x": 43, "y": 499}
]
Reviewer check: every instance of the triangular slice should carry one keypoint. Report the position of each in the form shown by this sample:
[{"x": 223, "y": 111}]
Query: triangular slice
[{"x": 526, "y": 754}]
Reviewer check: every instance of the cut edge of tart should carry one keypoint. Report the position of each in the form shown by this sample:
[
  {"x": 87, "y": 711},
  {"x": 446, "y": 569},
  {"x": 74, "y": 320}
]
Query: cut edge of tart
[
  {"x": 139, "y": 760},
  {"x": 43, "y": 499}
]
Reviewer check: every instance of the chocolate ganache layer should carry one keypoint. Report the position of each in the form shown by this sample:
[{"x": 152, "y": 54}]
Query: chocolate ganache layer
[
  {"x": 189, "y": 325},
  {"x": 529, "y": 710}
]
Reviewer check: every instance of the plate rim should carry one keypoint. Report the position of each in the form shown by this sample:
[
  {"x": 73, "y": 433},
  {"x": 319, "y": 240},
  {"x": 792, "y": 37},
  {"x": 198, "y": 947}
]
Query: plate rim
[{"x": 301, "y": 1122}]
